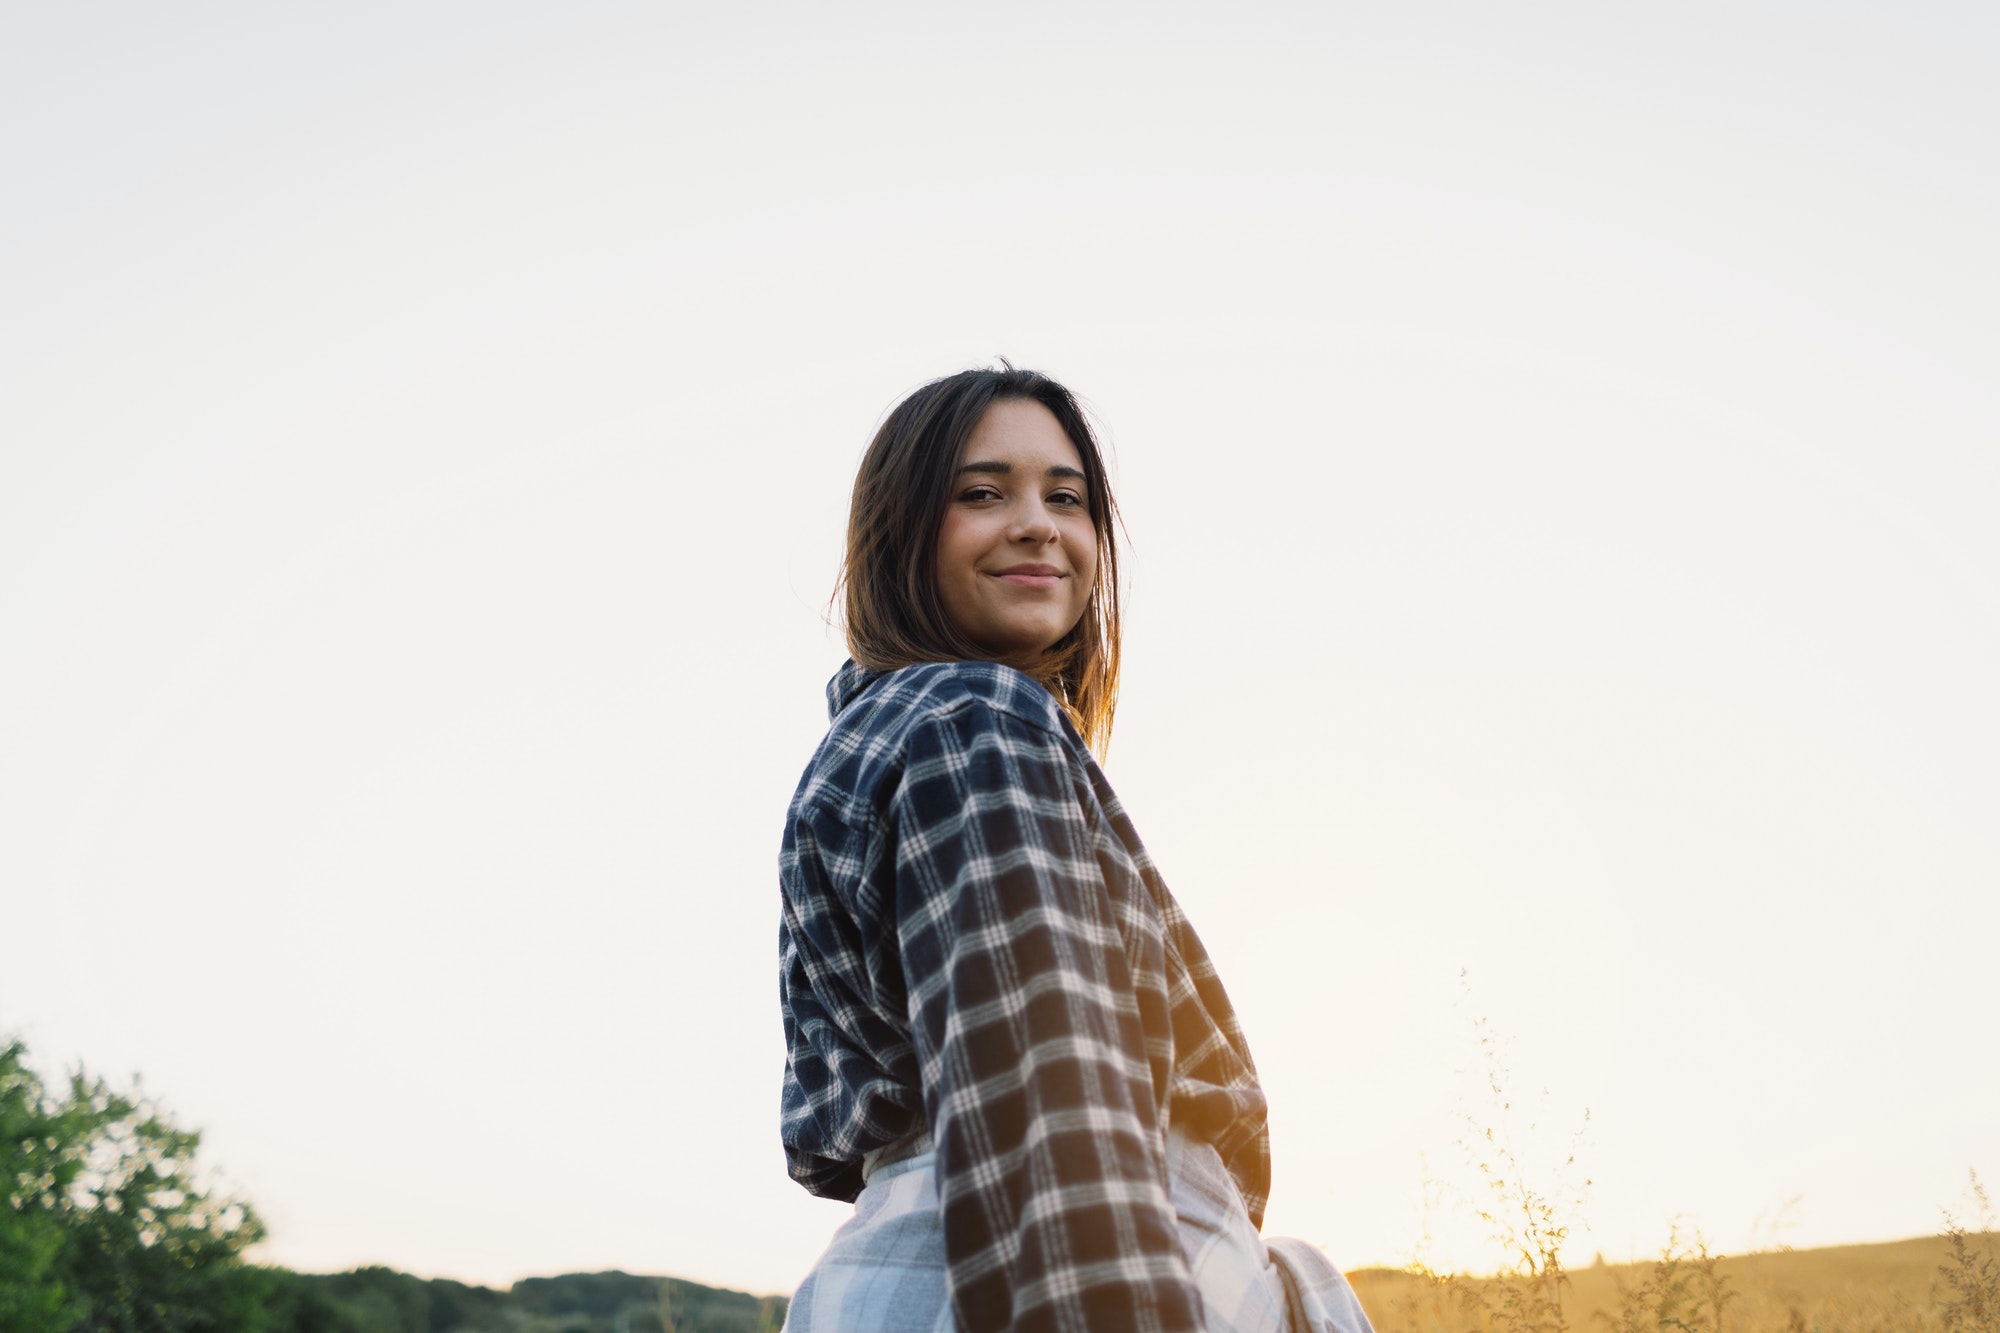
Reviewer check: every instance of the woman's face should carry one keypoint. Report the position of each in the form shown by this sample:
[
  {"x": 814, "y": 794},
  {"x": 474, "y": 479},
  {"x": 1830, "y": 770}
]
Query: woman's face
[{"x": 1017, "y": 553}]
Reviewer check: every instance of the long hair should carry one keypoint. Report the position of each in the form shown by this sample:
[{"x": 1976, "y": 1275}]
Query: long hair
[{"x": 888, "y": 582}]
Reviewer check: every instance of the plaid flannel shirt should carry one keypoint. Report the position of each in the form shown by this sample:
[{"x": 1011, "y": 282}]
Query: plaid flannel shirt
[{"x": 975, "y": 940}]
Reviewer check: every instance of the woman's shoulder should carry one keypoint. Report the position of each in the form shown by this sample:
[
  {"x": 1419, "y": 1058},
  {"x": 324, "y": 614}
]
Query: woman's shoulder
[
  {"x": 885, "y": 720},
  {"x": 921, "y": 739}
]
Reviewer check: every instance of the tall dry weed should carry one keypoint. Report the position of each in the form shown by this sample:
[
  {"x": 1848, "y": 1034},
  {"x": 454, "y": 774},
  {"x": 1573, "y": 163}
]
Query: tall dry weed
[
  {"x": 1969, "y": 1301},
  {"x": 1528, "y": 1212},
  {"x": 1685, "y": 1291}
]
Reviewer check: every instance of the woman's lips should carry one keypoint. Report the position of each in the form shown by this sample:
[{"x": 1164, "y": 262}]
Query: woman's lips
[{"x": 1030, "y": 576}]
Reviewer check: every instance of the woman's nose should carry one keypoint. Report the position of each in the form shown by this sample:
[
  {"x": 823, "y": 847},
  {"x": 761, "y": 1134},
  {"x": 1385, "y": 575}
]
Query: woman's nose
[{"x": 1036, "y": 526}]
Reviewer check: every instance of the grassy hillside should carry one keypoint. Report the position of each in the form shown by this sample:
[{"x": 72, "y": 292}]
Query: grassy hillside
[{"x": 1895, "y": 1287}]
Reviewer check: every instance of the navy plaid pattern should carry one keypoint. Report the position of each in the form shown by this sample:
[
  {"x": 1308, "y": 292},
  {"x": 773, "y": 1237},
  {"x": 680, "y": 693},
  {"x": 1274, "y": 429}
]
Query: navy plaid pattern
[{"x": 975, "y": 940}]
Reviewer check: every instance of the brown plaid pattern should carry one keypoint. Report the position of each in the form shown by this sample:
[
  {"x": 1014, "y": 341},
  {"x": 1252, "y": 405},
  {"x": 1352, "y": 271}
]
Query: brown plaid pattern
[{"x": 973, "y": 938}]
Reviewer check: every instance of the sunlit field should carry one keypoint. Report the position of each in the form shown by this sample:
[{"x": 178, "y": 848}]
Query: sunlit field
[
  {"x": 1530, "y": 1202},
  {"x": 1945, "y": 1282},
  {"x": 1949, "y": 1282}
]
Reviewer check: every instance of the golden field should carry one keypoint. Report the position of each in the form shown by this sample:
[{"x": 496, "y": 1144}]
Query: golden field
[
  {"x": 1949, "y": 1283},
  {"x": 1529, "y": 1202}
]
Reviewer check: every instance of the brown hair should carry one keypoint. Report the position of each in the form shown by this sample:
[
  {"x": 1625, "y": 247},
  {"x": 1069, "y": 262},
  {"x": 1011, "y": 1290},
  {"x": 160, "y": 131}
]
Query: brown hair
[{"x": 894, "y": 616}]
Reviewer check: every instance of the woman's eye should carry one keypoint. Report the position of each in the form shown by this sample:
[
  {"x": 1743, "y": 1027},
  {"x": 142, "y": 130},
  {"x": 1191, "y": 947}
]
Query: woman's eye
[
  {"x": 977, "y": 493},
  {"x": 1067, "y": 499}
]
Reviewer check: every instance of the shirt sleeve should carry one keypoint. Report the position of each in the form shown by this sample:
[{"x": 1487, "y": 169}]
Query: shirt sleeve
[{"x": 1037, "y": 1085}]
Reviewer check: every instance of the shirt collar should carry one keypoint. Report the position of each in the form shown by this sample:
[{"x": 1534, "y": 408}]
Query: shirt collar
[{"x": 848, "y": 682}]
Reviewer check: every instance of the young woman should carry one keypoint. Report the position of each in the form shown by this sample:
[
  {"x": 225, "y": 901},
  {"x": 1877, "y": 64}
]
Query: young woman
[{"x": 1006, "y": 1044}]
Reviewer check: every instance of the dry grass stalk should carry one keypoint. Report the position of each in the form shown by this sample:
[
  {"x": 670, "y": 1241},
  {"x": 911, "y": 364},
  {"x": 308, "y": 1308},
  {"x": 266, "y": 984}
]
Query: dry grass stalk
[{"x": 1970, "y": 1301}]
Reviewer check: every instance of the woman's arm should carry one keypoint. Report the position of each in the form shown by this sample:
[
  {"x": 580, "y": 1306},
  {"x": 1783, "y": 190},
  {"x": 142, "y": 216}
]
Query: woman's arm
[{"x": 1037, "y": 1049}]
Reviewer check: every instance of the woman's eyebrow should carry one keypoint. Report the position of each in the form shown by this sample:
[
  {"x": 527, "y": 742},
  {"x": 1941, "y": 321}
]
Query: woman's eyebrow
[{"x": 996, "y": 466}]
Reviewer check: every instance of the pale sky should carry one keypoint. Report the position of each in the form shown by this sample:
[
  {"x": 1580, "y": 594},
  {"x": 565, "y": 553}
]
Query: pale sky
[{"x": 1559, "y": 444}]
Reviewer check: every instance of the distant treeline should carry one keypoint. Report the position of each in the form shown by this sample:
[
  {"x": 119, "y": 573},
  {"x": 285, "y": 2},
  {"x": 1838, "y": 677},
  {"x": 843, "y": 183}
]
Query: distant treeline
[
  {"x": 110, "y": 1228},
  {"x": 381, "y": 1300}
]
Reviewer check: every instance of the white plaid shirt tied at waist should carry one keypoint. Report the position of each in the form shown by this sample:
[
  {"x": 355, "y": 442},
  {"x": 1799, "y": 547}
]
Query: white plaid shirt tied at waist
[
  {"x": 885, "y": 1270},
  {"x": 975, "y": 940}
]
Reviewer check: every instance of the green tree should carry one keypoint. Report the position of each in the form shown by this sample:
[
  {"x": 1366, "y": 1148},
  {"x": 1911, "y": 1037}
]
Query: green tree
[
  {"x": 109, "y": 1228},
  {"x": 32, "y": 1295}
]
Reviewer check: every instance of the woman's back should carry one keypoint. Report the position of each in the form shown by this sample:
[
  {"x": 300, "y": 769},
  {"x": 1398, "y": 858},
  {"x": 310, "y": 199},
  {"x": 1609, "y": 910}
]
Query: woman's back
[{"x": 975, "y": 941}]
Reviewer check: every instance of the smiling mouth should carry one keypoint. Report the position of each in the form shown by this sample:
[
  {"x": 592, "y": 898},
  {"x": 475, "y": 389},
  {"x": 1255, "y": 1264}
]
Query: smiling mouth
[{"x": 1030, "y": 576}]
